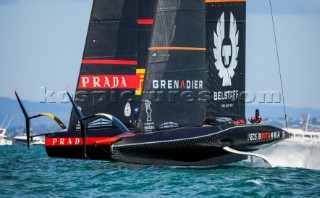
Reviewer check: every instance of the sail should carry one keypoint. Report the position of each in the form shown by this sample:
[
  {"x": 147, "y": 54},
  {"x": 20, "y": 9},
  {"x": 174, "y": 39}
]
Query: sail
[
  {"x": 145, "y": 24},
  {"x": 114, "y": 58},
  {"x": 225, "y": 40},
  {"x": 175, "y": 71}
]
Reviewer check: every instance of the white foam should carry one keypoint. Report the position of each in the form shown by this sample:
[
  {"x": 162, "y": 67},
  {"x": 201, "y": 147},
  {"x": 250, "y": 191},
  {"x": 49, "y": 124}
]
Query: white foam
[
  {"x": 258, "y": 182},
  {"x": 291, "y": 154}
]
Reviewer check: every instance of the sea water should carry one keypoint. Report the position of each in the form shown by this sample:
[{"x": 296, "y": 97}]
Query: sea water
[{"x": 30, "y": 173}]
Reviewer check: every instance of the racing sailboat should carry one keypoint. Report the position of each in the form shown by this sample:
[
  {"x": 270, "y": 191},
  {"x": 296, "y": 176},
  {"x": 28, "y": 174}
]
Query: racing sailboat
[{"x": 161, "y": 83}]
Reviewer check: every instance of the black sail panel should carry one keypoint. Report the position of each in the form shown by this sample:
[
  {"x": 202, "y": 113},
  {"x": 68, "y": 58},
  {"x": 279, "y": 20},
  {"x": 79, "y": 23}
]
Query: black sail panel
[
  {"x": 226, "y": 34},
  {"x": 145, "y": 24},
  {"x": 108, "y": 74},
  {"x": 175, "y": 71}
]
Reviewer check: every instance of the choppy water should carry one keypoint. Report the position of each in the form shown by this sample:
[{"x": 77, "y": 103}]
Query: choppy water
[{"x": 30, "y": 173}]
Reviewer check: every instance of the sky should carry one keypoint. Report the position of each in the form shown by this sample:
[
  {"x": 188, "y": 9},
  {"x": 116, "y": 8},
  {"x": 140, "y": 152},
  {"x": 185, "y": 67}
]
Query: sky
[{"x": 41, "y": 45}]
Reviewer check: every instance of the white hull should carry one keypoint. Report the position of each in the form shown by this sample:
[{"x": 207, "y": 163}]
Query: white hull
[
  {"x": 23, "y": 139},
  {"x": 3, "y": 137},
  {"x": 303, "y": 137},
  {"x": 4, "y": 142}
]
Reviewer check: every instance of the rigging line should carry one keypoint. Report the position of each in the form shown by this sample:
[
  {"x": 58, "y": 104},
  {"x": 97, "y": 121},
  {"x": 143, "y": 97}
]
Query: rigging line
[{"x": 279, "y": 66}]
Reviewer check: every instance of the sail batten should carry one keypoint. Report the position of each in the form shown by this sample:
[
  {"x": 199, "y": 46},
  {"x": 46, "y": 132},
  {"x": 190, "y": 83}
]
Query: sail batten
[
  {"x": 177, "y": 48},
  {"x": 109, "y": 62},
  {"x": 145, "y": 21}
]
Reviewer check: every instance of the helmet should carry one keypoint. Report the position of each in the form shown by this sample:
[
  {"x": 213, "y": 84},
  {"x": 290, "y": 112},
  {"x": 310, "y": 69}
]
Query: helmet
[{"x": 253, "y": 120}]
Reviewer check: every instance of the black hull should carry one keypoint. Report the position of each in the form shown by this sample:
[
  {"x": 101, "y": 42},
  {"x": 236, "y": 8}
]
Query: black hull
[
  {"x": 202, "y": 146},
  {"x": 194, "y": 146}
]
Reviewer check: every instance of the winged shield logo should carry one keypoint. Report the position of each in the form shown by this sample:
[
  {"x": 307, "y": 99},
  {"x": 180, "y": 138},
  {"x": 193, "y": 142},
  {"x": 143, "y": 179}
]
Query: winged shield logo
[{"x": 226, "y": 55}]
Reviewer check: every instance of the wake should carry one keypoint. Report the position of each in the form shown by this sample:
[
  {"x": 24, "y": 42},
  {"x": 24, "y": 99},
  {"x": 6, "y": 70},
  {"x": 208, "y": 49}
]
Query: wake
[{"x": 289, "y": 154}]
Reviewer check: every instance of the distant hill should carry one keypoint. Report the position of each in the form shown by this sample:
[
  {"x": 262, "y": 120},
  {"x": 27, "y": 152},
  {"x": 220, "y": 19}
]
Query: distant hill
[{"x": 276, "y": 111}]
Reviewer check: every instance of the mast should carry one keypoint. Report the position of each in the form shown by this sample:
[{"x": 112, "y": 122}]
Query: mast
[
  {"x": 307, "y": 123},
  {"x": 4, "y": 121},
  {"x": 8, "y": 125},
  {"x": 225, "y": 40},
  {"x": 175, "y": 70}
]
